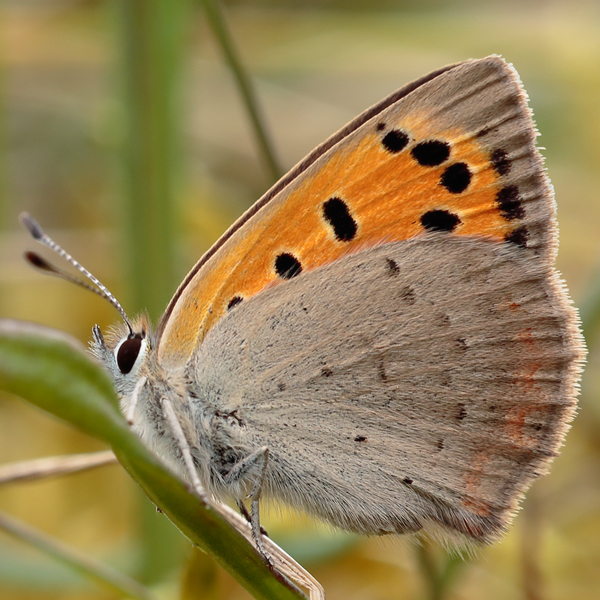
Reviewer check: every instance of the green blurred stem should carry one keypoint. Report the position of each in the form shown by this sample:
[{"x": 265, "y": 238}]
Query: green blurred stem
[
  {"x": 4, "y": 202},
  {"x": 590, "y": 320},
  {"x": 532, "y": 523},
  {"x": 153, "y": 36},
  {"x": 438, "y": 573},
  {"x": 219, "y": 26},
  {"x": 99, "y": 573},
  {"x": 590, "y": 310}
]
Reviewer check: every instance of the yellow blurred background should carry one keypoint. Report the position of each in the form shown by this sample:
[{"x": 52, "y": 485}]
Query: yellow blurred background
[{"x": 315, "y": 65}]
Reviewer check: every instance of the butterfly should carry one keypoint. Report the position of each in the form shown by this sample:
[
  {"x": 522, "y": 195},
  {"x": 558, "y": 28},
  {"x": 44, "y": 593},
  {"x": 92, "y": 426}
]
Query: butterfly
[{"x": 382, "y": 340}]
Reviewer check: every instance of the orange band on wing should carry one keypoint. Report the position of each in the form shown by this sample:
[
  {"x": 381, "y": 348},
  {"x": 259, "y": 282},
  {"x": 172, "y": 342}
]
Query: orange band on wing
[{"x": 379, "y": 191}]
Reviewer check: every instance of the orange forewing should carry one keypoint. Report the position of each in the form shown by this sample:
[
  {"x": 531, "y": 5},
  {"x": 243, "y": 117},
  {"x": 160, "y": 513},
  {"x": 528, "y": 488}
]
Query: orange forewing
[{"x": 386, "y": 193}]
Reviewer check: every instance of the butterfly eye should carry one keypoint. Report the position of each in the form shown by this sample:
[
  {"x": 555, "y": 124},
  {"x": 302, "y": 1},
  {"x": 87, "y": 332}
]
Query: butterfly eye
[{"x": 128, "y": 352}]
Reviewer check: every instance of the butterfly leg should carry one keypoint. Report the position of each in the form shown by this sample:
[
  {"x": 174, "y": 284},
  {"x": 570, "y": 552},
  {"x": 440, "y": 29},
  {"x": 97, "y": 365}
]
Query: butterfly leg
[
  {"x": 243, "y": 510},
  {"x": 184, "y": 447},
  {"x": 258, "y": 459}
]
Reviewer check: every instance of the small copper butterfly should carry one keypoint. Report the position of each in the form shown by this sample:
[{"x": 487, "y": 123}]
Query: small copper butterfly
[{"x": 382, "y": 339}]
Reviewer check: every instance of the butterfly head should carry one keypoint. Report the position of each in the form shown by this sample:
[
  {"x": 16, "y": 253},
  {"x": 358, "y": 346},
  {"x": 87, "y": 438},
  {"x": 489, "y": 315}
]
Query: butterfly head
[
  {"x": 124, "y": 352},
  {"x": 129, "y": 357}
]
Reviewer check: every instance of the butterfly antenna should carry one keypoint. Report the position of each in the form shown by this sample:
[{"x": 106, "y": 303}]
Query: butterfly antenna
[{"x": 38, "y": 234}]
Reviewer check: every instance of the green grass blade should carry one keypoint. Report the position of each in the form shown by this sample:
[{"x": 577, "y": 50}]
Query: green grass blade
[
  {"x": 102, "y": 574},
  {"x": 218, "y": 24}
]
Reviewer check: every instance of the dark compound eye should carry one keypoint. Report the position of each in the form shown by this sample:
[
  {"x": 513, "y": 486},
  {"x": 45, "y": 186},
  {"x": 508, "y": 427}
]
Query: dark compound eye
[{"x": 128, "y": 352}]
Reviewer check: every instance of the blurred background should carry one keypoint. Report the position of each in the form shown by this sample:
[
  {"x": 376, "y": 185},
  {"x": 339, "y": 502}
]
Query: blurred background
[{"x": 123, "y": 131}]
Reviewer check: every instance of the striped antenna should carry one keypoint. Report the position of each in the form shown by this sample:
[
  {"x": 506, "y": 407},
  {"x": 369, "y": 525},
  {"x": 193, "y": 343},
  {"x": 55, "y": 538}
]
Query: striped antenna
[{"x": 38, "y": 234}]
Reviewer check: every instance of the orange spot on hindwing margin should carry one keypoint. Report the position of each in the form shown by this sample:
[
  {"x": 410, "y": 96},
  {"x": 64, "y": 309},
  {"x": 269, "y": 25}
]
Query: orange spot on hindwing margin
[
  {"x": 528, "y": 392},
  {"x": 473, "y": 481}
]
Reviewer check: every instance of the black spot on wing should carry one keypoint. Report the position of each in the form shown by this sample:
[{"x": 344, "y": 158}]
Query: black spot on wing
[
  {"x": 395, "y": 141},
  {"x": 509, "y": 203},
  {"x": 456, "y": 178},
  {"x": 439, "y": 220},
  {"x": 392, "y": 267},
  {"x": 287, "y": 266},
  {"x": 431, "y": 153},
  {"x": 336, "y": 213},
  {"x": 518, "y": 236},
  {"x": 234, "y": 302},
  {"x": 500, "y": 161}
]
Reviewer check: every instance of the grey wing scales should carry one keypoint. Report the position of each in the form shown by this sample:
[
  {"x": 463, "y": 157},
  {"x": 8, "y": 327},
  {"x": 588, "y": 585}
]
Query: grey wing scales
[{"x": 422, "y": 381}]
